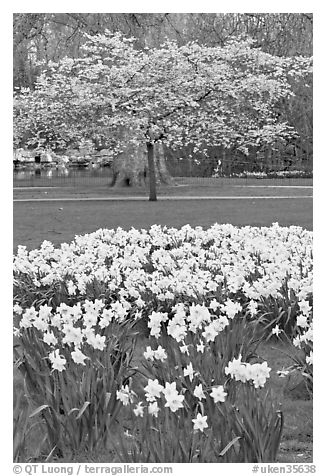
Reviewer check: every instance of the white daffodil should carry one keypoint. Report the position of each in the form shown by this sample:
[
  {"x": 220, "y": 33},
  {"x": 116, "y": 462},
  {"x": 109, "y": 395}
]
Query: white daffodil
[
  {"x": 125, "y": 395},
  {"x": 153, "y": 389},
  {"x": 58, "y": 362},
  {"x": 78, "y": 357},
  {"x": 139, "y": 410},
  {"x": 160, "y": 354},
  {"x": 309, "y": 358},
  {"x": 218, "y": 394},
  {"x": 198, "y": 392},
  {"x": 149, "y": 353},
  {"x": 189, "y": 372},
  {"x": 174, "y": 402},
  {"x": 153, "y": 409},
  {"x": 49, "y": 338},
  {"x": 200, "y": 347},
  {"x": 276, "y": 330},
  {"x": 200, "y": 422}
]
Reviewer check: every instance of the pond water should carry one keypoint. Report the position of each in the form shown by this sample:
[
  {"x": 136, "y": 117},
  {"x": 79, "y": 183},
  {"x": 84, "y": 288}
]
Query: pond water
[{"x": 35, "y": 172}]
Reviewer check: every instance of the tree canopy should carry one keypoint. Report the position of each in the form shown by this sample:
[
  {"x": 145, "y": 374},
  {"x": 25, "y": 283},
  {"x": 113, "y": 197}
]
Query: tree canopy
[{"x": 183, "y": 94}]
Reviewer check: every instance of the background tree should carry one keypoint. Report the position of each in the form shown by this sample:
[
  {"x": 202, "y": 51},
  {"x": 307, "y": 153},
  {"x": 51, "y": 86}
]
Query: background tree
[
  {"x": 50, "y": 37},
  {"x": 178, "y": 95}
]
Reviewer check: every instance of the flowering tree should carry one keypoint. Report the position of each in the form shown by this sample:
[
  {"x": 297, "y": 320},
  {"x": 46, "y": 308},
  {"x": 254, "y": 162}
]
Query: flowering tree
[{"x": 175, "y": 95}]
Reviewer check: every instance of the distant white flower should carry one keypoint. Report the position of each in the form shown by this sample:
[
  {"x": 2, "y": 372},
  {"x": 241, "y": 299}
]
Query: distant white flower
[
  {"x": 98, "y": 305},
  {"x": 139, "y": 410},
  {"x": 78, "y": 357},
  {"x": 276, "y": 330},
  {"x": 71, "y": 288},
  {"x": 189, "y": 372},
  {"x": 160, "y": 354},
  {"x": 40, "y": 324},
  {"x": 297, "y": 342},
  {"x": 252, "y": 307},
  {"x": 200, "y": 422},
  {"x": 210, "y": 333},
  {"x": 149, "y": 353},
  {"x": 305, "y": 307},
  {"x": 308, "y": 335},
  {"x": 97, "y": 341},
  {"x": 49, "y": 338},
  {"x": 174, "y": 402},
  {"x": 302, "y": 321},
  {"x": 231, "y": 308},
  {"x": 282, "y": 373},
  {"x": 155, "y": 331},
  {"x": 169, "y": 295},
  {"x": 309, "y": 358},
  {"x": 198, "y": 392},
  {"x": 218, "y": 394},
  {"x": 58, "y": 362},
  {"x": 184, "y": 349},
  {"x": 214, "y": 305},
  {"x": 90, "y": 318},
  {"x": 17, "y": 309},
  {"x": 153, "y": 409},
  {"x": 170, "y": 389},
  {"x": 259, "y": 373},
  {"x": 28, "y": 318},
  {"x": 198, "y": 314},
  {"x": 200, "y": 347},
  {"x": 234, "y": 367},
  {"x": 56, "y": 320},
  {"x": 106, "y": 318},
  {"x": 176, "y": 330},
  {"x": 125, "y": 395},
  {"x": 153, "y": 389},
  {"x": 139, "y": 302}
]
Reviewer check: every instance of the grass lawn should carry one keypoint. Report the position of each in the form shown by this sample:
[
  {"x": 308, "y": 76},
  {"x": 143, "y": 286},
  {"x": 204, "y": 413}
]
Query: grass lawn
[
  {"x": 204, "y": 187},
  {"x": 60, "y": 221}
]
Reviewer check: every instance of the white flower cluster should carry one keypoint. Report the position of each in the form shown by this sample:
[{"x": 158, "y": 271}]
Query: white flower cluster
[
  {"x": 304, "y": 337},
  {"x": 173, "y": 399},
  {"x": 70, "y": 327},
  {"x": 244, "y": 372},
  {"x": 193, "y": 283},
  {"x": 199, "y": 277},
  {"x": 167, "y": 265},
  {"x": 194, "y": 318}
]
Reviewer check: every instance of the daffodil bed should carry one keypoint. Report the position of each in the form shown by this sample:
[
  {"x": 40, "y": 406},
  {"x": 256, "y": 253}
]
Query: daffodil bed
[{"x": 144, "y": 341}]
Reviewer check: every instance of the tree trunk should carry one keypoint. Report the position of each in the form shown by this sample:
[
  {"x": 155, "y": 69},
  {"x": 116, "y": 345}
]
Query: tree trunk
[
  {"x": 133, "y": 167},
  {"x": 225, "y": 163},
  {"x": 162, "y": 173},
  {"x": 151, "y": 170},
  {"x": 130, "y": 167}
]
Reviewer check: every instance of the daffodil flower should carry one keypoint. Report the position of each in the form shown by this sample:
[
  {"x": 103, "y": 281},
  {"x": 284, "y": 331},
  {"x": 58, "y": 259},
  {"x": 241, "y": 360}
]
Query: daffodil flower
[
  {"x": 218, "y": 394},
  {"x": 200, "y": 422}
]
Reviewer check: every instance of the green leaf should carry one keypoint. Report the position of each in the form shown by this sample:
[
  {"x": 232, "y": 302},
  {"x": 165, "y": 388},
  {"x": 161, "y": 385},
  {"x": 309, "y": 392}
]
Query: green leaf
[
  {"x": 83, "y": 408},
  {"x": 39, "y": 410},
  {"x": 229, "y": 445}
]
